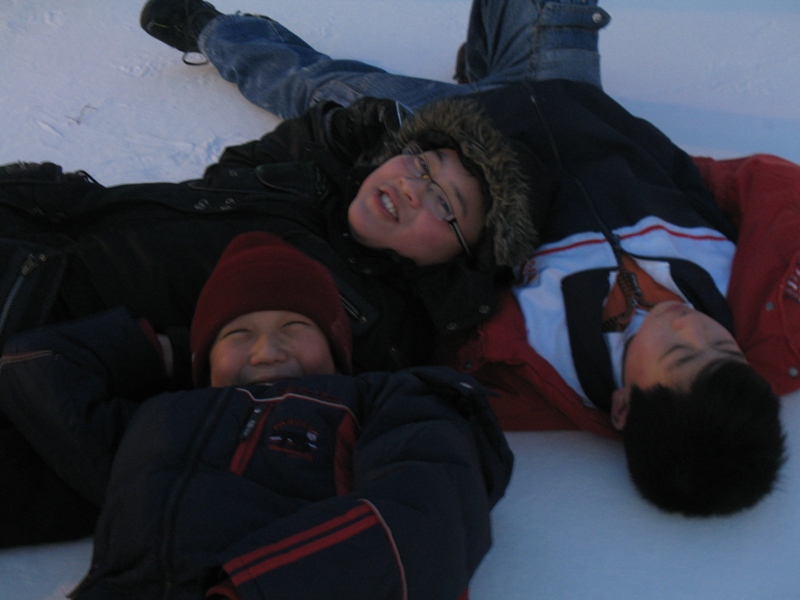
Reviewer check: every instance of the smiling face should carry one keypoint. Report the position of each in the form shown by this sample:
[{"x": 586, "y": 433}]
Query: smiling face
[
  {"x": 674, "y": 343},
  {"x": 390, "y": 211},
  {"x": 268, "y": 345}
]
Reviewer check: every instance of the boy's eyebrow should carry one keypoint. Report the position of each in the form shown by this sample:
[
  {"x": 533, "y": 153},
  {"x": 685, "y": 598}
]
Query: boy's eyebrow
[{"x": 442, "y": 157}]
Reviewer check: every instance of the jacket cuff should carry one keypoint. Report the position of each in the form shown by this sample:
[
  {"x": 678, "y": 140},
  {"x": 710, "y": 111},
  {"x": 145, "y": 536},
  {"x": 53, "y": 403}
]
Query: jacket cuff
[
  {"x": 224, "y": 589},
  {"x": 181, "y": 358},
  {"x": 150, "y": 333}
]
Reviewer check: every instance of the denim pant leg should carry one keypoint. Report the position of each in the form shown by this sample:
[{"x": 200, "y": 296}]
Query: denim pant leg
[
  {"x": 514, "y": 40},
  {"x": 278, "y": 71},
  {"x": 508, "y": 41}
]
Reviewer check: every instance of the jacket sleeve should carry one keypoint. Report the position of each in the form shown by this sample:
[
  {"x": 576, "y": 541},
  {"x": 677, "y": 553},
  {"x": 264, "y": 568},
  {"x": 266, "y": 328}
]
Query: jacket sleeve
[
  {"x": 345, "y": 132},
  {"x": 71, "y": 388},
  {"x": 752, "y": 187},
  {"x": 721, "y": 176},
  {"x": 761, "y": 195},
  {"x": 428, "y": 466}
]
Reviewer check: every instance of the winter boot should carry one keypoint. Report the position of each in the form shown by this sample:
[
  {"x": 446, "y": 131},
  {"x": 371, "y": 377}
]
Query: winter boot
[{"x": 177, "y": 23}]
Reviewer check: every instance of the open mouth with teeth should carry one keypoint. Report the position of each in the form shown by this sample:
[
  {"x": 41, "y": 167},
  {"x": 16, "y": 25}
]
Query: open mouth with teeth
[{"x": 389, "y": 205}]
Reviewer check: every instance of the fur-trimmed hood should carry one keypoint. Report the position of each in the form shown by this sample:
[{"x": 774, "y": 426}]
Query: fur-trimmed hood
[{"x": 507, "y": 172}]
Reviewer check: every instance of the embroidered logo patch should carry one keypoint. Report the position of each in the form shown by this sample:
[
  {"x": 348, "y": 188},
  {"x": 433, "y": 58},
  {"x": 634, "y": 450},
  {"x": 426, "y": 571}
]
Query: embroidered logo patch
[
  {"x": 294, "y": 436},
  {"x": 792, "y": 288}
]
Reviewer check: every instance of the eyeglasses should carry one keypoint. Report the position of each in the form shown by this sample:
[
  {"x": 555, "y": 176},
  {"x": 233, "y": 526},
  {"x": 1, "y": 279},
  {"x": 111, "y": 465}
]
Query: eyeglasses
[{"x": 435, "y": 197}]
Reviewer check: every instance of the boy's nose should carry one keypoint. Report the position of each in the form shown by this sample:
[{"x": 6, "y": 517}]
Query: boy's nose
[
  {"x": 414, "y": 189},
  {"x": 267, "y": 350}
]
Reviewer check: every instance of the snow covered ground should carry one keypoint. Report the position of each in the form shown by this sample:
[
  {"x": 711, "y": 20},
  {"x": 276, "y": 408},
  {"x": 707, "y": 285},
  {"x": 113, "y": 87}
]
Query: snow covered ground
[{"x": 81, "y": 85}]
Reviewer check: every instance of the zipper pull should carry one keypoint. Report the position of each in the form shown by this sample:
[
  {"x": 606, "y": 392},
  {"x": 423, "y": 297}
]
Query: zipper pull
[
  {"x": 352, "y": 310},
  {"x": 31, "y": 263},
  {"x": 250, "y": 426}
]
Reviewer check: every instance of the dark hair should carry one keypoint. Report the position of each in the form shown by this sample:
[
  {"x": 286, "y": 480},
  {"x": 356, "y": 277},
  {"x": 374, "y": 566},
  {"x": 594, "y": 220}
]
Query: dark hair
[{"x": 715, "y": 449}]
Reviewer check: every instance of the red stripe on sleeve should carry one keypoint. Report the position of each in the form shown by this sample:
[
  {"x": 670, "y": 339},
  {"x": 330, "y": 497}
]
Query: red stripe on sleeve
[
  {"x": 242, "y": 562},
  {"x": 314, "y": 546}
]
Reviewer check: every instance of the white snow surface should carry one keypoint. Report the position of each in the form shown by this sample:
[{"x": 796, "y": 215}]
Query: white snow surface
[{"x": 81, "y": 85}]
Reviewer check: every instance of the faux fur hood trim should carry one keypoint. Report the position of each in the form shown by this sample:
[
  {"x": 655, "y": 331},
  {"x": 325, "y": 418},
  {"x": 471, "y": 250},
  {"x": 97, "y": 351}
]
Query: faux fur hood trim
[{"x": 511, "y": 233}]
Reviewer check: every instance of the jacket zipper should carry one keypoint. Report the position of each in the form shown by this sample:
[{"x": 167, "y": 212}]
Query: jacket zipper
[
  {"x": 248, "y": 438},
  {"x": 206, "y": 430},
  {"x": 204, "y": 434},
  {"x": 612, "y": 238},
  {"x": 352, "y": 310},
  {"x": 31, "y": 262}
]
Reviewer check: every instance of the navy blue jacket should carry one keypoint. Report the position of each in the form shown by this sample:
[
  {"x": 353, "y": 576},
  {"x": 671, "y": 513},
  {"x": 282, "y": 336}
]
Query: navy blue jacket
[{"x": 376, "y": 486}]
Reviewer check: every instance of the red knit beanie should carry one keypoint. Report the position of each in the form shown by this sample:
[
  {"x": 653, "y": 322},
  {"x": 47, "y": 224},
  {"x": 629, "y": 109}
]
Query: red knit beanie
[{"x": 259, "y": 271}]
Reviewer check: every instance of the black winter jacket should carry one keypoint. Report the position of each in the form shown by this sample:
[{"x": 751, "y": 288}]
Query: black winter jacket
[
  {"x": 70, "y": 247},
  {"x": 73, "y": 247},
  {"x": 376, "y": 486}
]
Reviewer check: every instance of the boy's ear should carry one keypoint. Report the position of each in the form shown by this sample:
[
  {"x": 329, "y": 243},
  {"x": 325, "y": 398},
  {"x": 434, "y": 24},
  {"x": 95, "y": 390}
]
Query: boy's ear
[{"x": 620, "y": 402}]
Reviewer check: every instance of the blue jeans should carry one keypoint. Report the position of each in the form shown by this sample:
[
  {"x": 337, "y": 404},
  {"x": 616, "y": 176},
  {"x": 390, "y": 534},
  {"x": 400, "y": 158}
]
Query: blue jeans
[{"x": 507, "y": 41}]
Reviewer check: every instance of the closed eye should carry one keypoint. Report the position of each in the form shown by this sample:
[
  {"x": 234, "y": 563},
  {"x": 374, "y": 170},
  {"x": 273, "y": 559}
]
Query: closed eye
[
  {"x": 730, "y": 347},
  {"x": 287, "y": 324},
  {"x": 239, "y": 330},
  {"x": 684, "y": 359},
  {"x": 687, "y": 354},
  {"x": 442, "y": 158},
  {"x": 295, "y": 325},
  {"x": 423, "y": 167},
  {"x": 444, "y": 205}
]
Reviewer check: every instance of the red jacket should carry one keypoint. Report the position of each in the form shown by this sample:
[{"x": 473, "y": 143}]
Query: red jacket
[{"x": 761, "y": 195}]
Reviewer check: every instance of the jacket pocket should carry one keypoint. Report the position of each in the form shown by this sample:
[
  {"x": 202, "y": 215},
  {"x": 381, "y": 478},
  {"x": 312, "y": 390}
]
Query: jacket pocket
[{"x": 28, "y": 285}]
